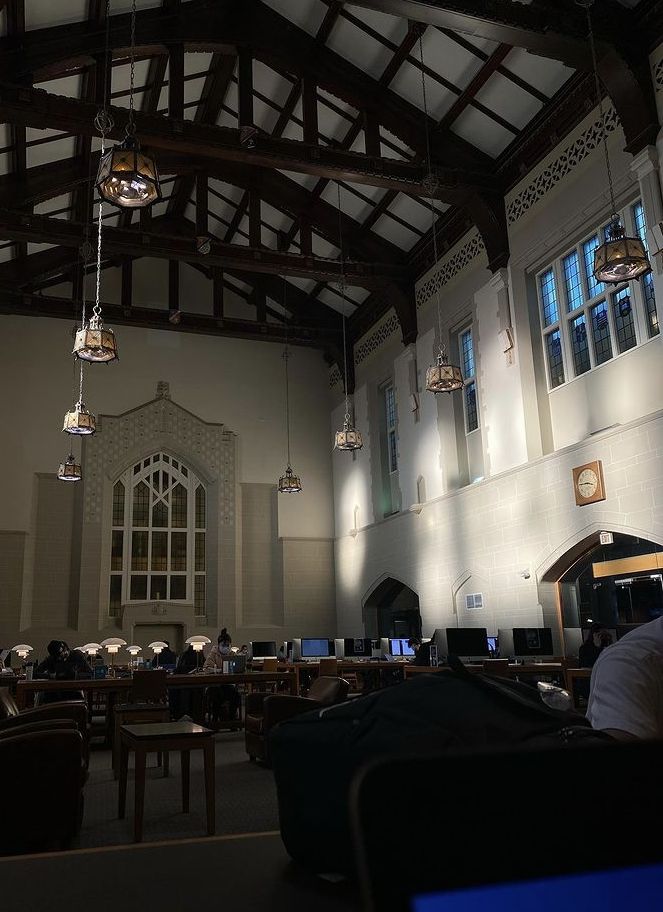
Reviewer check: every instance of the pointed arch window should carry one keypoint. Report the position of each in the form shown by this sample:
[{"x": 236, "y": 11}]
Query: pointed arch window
[{"x": 158, "y": 536}]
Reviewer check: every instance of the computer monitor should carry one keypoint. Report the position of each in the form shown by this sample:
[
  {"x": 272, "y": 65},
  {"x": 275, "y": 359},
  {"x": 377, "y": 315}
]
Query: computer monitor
[
  {"x": 315, "y": 648},
  {"x": 493, "y": 647},
  {"x": 263, "y": 649},
  {"x": 532, "y": 641},
  {"x": 398, "y": 646},
  {"x": 354, "y": 648},
  {"x": 467, "y": 642}
]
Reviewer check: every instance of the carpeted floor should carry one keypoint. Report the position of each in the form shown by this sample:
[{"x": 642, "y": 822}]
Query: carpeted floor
[{"x": 245, "y": 798}]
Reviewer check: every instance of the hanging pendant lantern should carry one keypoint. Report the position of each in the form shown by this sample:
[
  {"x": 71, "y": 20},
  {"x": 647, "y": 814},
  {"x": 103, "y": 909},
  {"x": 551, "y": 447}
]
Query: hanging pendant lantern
[
  {"x": 620, "y": 258},
  {"x": 70, "y": 470},
  {"x": 94, "y": 342},
  {"x": 127, "y": 177},
  {"x": 349, "y": 438},
  {"x": 79, "y": 420},
  {"x": 443, "y": 377},
  {"x": 290, "y": 483}
]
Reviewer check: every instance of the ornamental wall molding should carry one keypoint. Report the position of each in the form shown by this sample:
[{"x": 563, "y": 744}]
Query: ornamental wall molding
[
  {"x": 210, "y": 450},
  {"x": 387, "y": 327},
  {"x": 334, "y": 376},
  {"x": 557, "y": 168},
  {"x": 450, "y": 266}
]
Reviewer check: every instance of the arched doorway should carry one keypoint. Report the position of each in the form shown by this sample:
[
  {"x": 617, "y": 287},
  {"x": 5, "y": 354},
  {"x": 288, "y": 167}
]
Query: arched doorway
[
  {"x": 617, "y": 583},
  {"x": 392, "y": 610}
]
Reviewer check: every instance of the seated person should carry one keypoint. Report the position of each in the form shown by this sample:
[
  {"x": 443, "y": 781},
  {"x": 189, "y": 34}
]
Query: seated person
[
  {"x": 166, "y": 657},
  {"x": 626, "y": 688},
  {"x": 421, "y": 651},
  {"x": 65, "y": 665},
  {"x": 222, "y": 693},
  {"x": 181, "y": 699},
  {"x": 595, "y": 642}
]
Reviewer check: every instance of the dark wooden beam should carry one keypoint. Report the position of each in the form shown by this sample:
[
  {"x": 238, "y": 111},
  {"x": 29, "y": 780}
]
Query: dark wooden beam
[
  {"x": 245, "y": 87},
  {"x": 173, "y": 289},
  {"x": 217, "y": 293},
  {"x": 199, "y": 143},
  {"x": 127, "y": 285},
  {"x": 164, "y": 245},
  {"x": 255, "y": 226},
  {"x": 202, "y": 204},
  {"x": 176, "y": 81},
  {"x": 310, "y": 111},
  {"x": 13, "y": 302}
]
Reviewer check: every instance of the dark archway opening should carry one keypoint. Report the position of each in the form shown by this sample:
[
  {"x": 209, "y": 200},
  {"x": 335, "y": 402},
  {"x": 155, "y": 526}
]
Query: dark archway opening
[{"x": 392, "y": 610}]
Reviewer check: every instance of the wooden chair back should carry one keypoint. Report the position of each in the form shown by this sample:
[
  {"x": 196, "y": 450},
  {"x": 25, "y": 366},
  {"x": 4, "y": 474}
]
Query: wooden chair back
[
  {"x": 149, "y": 686},
  {"x": 328, "y": 668},
  {"x": 270, "y": 665}
]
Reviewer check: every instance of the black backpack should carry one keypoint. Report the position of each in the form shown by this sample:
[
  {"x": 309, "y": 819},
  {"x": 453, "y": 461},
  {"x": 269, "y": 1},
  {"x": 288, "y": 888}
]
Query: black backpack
[{"x": 315, "y": 756}]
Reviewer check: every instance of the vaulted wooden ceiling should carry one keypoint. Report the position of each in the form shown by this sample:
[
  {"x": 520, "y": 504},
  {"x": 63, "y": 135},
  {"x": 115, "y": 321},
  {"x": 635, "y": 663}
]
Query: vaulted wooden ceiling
[{"x": 260, "y": 113}]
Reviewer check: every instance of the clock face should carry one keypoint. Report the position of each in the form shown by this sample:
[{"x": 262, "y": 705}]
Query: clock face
[{"x": 587, "y": 483}]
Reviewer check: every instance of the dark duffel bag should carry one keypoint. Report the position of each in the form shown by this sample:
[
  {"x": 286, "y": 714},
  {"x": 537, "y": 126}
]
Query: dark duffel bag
[{"x": 315, "y": 756}]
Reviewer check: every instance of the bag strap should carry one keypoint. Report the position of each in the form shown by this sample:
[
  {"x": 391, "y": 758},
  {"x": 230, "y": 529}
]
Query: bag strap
[{"x": 494, "y": 685}]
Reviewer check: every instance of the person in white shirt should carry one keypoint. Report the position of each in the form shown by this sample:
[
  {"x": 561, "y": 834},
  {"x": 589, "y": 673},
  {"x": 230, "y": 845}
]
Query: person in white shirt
[{"x": 626, "y": 688}]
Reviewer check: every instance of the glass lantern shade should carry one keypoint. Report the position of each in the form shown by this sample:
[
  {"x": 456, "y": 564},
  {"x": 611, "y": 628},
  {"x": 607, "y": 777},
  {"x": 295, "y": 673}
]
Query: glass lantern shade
[
  {"x": 289, "y": 483},
  {"x": 620, "y": 258},
  {"x": 348, "y": 438},
  {"x": 127, "y": 177},
  {"x": 79, "y": 421},
  {"x": 443, "y": 377},
  {"x": 94, "y": 343},
  {"x": 70, "y": 470}
]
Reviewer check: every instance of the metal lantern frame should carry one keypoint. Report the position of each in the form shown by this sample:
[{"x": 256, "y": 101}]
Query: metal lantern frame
[
  {"x": 79, "y": 421},
  {"x": 620, "y": 258},
  {"x": 348, "y": 438},
  {"x": 70, "y": 470},
  {"x": 443, "y": 377},
  {"x": 290, "y": 483},
  {"x": 125, "y": 167}
]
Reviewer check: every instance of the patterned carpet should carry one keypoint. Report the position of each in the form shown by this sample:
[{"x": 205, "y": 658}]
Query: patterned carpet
[{"x": 245, "y": 798}]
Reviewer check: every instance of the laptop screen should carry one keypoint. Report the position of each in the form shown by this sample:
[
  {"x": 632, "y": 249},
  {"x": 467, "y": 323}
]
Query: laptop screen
[{"x": 598, "y": 891}]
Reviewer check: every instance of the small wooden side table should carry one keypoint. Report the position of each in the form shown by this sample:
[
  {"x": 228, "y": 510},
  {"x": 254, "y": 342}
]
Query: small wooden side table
[{"x": 168, "y": 736}]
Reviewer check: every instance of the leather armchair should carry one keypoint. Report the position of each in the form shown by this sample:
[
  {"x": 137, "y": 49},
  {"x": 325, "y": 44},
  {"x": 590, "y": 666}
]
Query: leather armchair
[
  {"x": 264, "y": 711},
  {"x": 41, "y": 789},
  {"x": 73, "y": 710}
]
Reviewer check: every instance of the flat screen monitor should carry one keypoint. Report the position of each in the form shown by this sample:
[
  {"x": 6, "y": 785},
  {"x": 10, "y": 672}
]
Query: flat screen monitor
[
  {"x": 398, "y": 646},
  {"x": 315, "y": 648},
  {"x": 467, "y": 641},
  {"x": 357, "y": 647},
  {"x": 263, "y": 649},
  {"x": 532, "y": 641}
]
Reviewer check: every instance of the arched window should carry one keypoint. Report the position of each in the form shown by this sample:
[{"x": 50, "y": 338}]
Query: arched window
[{"x": 158, "y": 535}]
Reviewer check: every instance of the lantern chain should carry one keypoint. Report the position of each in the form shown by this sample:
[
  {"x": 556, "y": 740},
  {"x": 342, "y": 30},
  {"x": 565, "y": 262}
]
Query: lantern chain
[
  {"x": 341, "y": 286},
  {"x": 602, "y": 114}
]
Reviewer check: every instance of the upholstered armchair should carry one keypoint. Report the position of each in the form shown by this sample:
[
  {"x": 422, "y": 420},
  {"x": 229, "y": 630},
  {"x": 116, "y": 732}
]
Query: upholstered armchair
[
  {"x": 41, "y": 788},
  {"x": 264, "y": 711},
  {"x": 73, "y": 710}
]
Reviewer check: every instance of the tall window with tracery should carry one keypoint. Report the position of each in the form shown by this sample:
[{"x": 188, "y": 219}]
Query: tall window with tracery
[
  {"x": 586, "y": 323},
  {"x": 158, "y": 538}
]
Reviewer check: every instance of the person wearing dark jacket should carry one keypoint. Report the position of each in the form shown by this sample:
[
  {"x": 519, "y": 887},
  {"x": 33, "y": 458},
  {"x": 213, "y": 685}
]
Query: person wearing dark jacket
[
  {"x": 166, "y": 657},
  {"x": 62, "y": 664}
]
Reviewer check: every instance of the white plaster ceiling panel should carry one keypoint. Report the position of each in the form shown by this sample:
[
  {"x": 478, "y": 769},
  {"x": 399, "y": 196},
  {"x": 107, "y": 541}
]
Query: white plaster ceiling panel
[
  {"x": 162, "y": 105},
  {"x": 388, "y": 151},
  {"x": 390, "y": 28},
  {"x": 307, "y": 14},
  {"x": 336, "y": 302},
  {"x": 483, "y": 44},
  {"x": 323, "y": 248},
  {"x": 193, "y": 89},
  {"x": 331, "y": 124},
  {"x": 51, "y": 206},
  {"x": 270, "y": 83},
  {"x": 190, "y": 211},
  {"x": 504, "y": 97},
  {"x": 5, "y": 162},
  {"x": 228, "y": 190},
  {"x": 278, "y": 220},
  {"x": 3, "y": 21},
  {"x": 294, "y": 130},
  {"x": 124, "y": 6},
  {"x": 338, "y": 103},
  {"x": 159, "y": 208},
  {"x": 354, "y": 293},
  {"x": 306, "y": 285},
  {"x": 121, "y": 79},
  {"x": 44, "y": 13},
  {"x": 353, "y": 44},
  {"x": 69, "y": 86},
  {"x": 413, "y": 212},
  {"x": 242, "y": 236},
  {"x": 112, "y": 219},
  {"x": 393, "y": 231},
  {"x": 6, "y": 253},
  {"x": 407, "y": 83},
  {"x": 196, "y": 62},
  {"x": 544, "y": 74},
  {"x": 386, "y": 135},
  {"x": 351, "y": 204},
  {"x": 449, "y": 59},
  {"x": 49, "y": 151},
  {"x": 236, "y": 308},
  {"x": 228, "y": 114},
  {"x": 482, "y": 131},
  {"x": 308, "y": 181},
  {"x": 37, "y": 248},
  {"x": 264, "y": 115}
]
